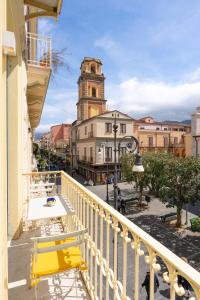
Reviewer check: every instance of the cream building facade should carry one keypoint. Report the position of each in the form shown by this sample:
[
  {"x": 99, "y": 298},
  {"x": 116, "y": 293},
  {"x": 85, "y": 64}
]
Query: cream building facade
[
  {"x": 95, "y": 144},
  {"x": 169, "y": 137},
  {"x": 196, "y": 132},
  {"x": 23, "y": 86}
]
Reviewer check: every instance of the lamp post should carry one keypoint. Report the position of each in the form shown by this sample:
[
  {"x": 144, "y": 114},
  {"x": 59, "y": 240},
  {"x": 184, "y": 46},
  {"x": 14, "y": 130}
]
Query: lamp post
[
  {"x": 132, "y": 147},
  {"x": 107, "y": 174},
  {"x": 115, "y": 128}
]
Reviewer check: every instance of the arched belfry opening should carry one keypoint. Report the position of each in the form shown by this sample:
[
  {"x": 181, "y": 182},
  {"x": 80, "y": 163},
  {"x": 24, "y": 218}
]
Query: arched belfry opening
[
  {"x": 94, "y": 92},
  {"x": 93, "y": 69}
]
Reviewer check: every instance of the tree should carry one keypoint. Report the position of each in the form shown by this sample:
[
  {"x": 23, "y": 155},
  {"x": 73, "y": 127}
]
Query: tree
[
  {"x": 181, "y": 184},
  {"x": 142, "y": 179},
  {"x": 156, "y": 166},
  {"x": 35, "y": 149}
]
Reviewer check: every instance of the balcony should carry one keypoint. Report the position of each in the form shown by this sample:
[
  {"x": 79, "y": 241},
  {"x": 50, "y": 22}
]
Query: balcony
[
  {"x": 38, "y": 74},
  {"x": 108, "y": 159},
  {"x": 90, "y": 134},
  {"x": 117, "y": 252}
]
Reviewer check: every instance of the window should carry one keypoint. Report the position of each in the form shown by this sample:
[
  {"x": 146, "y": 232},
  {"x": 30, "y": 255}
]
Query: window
[
  {"x": 122, "y": 128},
  {"x": 94, "y": 92},
  {"x": 108, "y": 127},
  {"x": 93, "y": 69},
  {"x": 175, "y": 129},
  {"x": 85, "y": 130},
  {"x": 85, "y": 153},
  {"x": 91, "y": 132},
  {"x": 91, "y": 154},
  {"x": 165, "y": 129},
  {"x": 122, "y": 151},
  {"x": 150, "y": 141},
  {"x": 166, "y": 141},
  {"x": 176, "y": 140},
  {"x": 108, "y": 154},
  {"x": 157, "y": 128}
]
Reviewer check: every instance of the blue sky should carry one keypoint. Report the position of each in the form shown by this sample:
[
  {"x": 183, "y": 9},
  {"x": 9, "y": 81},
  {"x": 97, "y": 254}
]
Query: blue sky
[{"x": 150, "y": 51}]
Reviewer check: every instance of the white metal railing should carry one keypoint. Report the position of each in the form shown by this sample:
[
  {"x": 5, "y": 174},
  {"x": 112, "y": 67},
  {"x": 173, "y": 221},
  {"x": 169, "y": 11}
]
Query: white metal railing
[
  {"x": 117, "y": 250},
  {"x": 39, "y": 51}
]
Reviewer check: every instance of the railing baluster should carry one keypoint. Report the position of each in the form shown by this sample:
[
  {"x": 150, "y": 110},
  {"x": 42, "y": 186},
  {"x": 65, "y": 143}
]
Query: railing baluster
[
  {"x": 115, "y": 258},
  {"x": 101, "y": 254},
  {"x": 126, "y": 240},
  {"x": 88, "y": 239},
  {"x": 96, "y": 247},
  {"x": 136, "y": 247},
  {"x": 108, "y": 222},
  {"x": 91, "y": 244}
]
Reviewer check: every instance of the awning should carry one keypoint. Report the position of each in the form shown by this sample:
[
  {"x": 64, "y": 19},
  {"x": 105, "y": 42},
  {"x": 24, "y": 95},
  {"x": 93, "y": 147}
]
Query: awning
[{"x": 48, "y": 8}]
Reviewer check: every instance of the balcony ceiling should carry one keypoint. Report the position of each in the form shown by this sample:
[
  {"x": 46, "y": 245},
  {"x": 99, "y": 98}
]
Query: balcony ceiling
[
  {"x": 38, "y": 80},
  {"x": 49, "y": 8}
]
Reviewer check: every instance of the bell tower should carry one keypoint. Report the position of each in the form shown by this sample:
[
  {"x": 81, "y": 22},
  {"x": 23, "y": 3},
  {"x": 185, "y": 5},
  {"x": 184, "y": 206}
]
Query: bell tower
[{"x": 91, "y": 89}]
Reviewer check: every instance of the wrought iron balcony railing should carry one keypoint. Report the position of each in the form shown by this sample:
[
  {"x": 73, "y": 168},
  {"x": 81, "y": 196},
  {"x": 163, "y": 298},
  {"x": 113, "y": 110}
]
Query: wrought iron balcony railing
[
  {"x": 108, "y": 159},
  {"x": 39, "y": 51},
  {"x": 117, "y": 251}
]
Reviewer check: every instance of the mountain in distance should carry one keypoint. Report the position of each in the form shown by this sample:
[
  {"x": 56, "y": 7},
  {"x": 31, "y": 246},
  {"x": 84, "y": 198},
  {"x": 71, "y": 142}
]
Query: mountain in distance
[
  {"x": 38, "y": 135},
  {"x": 187, "y": 122}
]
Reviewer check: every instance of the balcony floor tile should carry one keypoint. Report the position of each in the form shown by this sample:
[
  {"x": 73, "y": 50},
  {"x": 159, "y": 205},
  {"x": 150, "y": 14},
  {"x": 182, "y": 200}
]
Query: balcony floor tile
[{"x": 68, "y": 285}]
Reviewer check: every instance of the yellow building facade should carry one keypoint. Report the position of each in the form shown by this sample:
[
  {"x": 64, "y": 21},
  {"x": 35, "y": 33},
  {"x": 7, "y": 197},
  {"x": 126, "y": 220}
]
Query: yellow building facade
[{"x": 23, "y": 86}]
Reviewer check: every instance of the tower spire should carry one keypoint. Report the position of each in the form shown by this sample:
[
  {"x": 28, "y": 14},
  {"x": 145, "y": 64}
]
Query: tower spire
[{"x": 91, "y": 100}]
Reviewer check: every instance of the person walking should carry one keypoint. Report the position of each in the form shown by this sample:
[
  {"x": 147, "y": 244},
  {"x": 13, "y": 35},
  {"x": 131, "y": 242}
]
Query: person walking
[
  {"x": 184, "y": 283},
  {"x": 146, "y": 284}
]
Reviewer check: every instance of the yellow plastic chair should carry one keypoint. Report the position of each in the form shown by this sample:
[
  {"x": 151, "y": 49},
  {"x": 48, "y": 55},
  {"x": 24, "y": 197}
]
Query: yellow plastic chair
[{"x": 56, "y": 254}]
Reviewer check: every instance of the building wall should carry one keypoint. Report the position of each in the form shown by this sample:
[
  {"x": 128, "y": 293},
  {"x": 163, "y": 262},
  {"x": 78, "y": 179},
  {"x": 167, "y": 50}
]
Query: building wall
[
  {"x": 92, "y": 133},
  {"x": 3, "y": 160},
  {"x": 60, "y": 132},
  {"x": 19, "y": 139},
  {"x": 158, "y": 136},
  {"x": 16, "y": 136},
  {"x": 196, "y": 132}
]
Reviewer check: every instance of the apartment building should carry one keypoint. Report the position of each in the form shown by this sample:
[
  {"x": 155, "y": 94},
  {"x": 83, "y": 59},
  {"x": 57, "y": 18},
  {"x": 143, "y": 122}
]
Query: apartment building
[
  {"x": 95, "y": 144},
  {"x": 195, "y": 134},
  {"x": 168, "y": 137},
  {"x": 25, "y": 72},
  {"x": 60, "y": 139}
]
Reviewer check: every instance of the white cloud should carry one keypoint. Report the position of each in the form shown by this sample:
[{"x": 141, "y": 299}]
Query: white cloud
[
  {"x": 159, "y": 99},
  {"x": 106, "y": 43},
  {"x": 194, "y": 76}
]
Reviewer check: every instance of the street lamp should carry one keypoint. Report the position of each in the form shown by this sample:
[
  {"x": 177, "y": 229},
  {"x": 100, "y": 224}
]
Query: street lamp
[{"x": 132, "y": 147}]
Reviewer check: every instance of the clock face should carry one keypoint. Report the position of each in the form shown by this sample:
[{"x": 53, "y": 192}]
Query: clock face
[{"x": 129, "y": 146}]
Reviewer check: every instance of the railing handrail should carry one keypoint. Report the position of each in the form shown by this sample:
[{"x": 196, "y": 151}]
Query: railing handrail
[
  {"x": 39, "y": 50},
  {"x": 192, "y": 275},
  {"x": 176, "y": 261},
  {"x": 40, "y": 36}
]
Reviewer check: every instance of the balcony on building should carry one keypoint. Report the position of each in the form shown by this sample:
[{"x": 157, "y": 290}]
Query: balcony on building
[
  {"x": 39, "y": 55},
  {"x": 117, "y": 252}
]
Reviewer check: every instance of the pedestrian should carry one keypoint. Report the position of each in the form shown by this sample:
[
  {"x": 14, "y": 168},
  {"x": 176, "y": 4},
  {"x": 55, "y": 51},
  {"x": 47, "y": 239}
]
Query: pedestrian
[
  {"x": 146, "y": 284},
  {"x": 119, "y": 192},
  {"x": 183, "y": 282}
]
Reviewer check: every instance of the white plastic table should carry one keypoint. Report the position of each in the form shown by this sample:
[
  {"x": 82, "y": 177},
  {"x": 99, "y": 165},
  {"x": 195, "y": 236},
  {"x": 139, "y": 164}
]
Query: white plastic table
[{"x": 38, "y": 209}]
